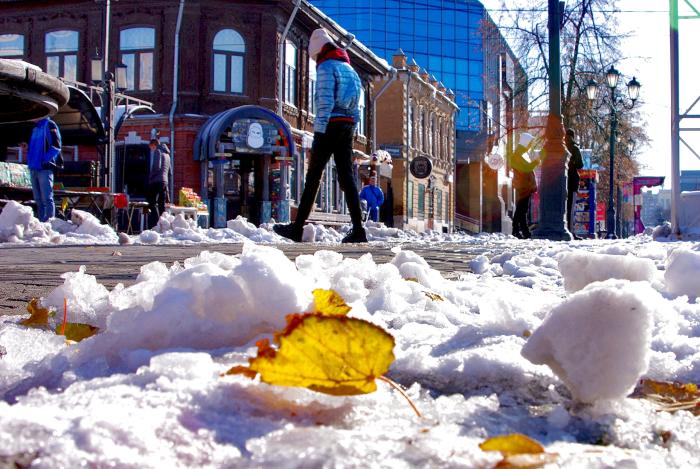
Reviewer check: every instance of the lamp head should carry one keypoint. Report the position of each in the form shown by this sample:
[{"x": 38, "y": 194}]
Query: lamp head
[
  {"x": 633, "y": 88},
  {"x": 612, "y": 76},
  {"x": 592, "y": 90}
]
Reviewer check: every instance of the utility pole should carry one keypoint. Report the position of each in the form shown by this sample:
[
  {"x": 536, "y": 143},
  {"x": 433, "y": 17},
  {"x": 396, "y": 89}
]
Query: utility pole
[{"x": 552, "y": 186}]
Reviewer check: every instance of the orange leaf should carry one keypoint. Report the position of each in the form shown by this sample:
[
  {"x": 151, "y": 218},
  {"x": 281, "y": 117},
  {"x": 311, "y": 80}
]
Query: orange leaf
[
  {"x": 39, "y": 317},
  {"x": 330, "y": 303}
]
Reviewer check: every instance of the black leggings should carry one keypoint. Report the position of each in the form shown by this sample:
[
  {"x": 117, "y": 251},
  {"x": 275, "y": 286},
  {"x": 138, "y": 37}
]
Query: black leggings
[
  {"x": 337, "y": 141},
  {"x": 520, "y": 228}
]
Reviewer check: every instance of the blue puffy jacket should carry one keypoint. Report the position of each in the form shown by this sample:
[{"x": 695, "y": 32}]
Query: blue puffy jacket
[
  {"x": 338, "y": 91},
  {"x": 375, "y": 198},
  {"x": 44, "y": 145}
]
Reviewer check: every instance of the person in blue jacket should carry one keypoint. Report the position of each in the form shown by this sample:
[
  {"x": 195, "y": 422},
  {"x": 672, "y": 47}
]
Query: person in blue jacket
[
  {"x": 43, "y": 158},
  {"x": 338, "y": 89},
  {"x": 374, "y": 197}
]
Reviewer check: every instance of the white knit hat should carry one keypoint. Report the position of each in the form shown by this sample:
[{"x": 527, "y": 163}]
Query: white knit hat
[
  {"x": 319, "y": 38},
  {"x": 525, "y": 139}
]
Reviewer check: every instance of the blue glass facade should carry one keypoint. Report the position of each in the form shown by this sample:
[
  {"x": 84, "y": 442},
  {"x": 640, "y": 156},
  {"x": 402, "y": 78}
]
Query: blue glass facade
[{"x": 443, "y": 36}]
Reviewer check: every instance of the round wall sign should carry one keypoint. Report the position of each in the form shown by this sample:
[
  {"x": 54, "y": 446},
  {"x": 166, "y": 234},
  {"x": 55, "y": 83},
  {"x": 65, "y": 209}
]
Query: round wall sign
[{"x": 421, "y": 167}]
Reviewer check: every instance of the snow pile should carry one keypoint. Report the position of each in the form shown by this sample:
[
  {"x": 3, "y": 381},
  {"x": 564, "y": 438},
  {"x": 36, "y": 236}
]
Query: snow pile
[
  {"x": 176, "y": 229},
  {"x": 147, "y": 389},
  {"x": 681, "y": 273},
  {"x": 17, "y": 223},
  {"x": 597, "y": 341},
  {"x": 580, "y": 269}
]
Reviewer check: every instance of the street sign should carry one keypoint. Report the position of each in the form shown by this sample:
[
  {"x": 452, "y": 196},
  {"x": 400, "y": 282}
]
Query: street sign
[{"x": 421, "y": 167}]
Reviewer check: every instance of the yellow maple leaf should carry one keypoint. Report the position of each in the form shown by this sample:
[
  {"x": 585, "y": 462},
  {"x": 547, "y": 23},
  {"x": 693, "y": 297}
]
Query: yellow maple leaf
[
  {"x": 39, "y": 317},
  {"x": 509, "y": 445},
  {"x": 330, "y": 303},
  {"x": 76, "y": 331},
  {"x": 330, "y": 354}
]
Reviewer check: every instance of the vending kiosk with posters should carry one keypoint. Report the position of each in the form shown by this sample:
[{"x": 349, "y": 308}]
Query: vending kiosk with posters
[
  {"x": 245, "y": 154},
  {"x": 584, "y": 210}
]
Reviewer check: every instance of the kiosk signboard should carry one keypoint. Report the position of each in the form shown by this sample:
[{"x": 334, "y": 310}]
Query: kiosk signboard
[{"x": 253, "y": 136}]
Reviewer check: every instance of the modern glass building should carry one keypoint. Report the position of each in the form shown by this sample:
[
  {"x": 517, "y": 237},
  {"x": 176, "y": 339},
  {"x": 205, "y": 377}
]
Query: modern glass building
[{"x": 443, "y": 36}]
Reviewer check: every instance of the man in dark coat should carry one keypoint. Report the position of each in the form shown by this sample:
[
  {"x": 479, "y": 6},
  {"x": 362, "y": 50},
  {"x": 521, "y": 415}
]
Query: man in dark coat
[
  {"x": 159, "y": 171},
  {"x": 524, "y": 183},
  {"x": 573, "y": 178}
]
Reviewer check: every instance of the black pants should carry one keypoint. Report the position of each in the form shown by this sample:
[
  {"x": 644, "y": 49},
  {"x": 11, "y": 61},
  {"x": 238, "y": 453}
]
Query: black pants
[
  {"x": 337, "y": 141},
  {"x": 572, "y": 190},
  {"x": 155, "y": 196},
  {"x": 520, "y": 228}
]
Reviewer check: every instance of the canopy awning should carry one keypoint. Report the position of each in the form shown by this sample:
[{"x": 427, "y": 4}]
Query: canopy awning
[
  {"x": 78, "y": 120},
  {"x": 221, "y": 123}
]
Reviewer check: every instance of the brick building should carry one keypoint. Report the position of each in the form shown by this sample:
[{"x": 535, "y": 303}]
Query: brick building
[
  {"x": 416, "y": 119},
  {"x": 198, "y": 61}
]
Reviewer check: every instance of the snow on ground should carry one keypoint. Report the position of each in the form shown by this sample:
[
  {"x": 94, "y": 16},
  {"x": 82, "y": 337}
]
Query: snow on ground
[
  {"x": 147, "y": 390},
  {"x": 19, "y": 226}
]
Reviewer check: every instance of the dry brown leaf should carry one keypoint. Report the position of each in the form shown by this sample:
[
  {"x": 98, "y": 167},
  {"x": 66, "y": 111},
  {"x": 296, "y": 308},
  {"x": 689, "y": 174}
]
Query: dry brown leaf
[
  {"x": 433, "y": 296},
  {"x": 670, "y": 396}
]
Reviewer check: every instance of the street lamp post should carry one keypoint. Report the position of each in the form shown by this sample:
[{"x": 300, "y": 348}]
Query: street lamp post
[
  {"x": 112, "y": 84},
  {"x": 551, "y": 223},
  {"x": 612, "y": 76}
]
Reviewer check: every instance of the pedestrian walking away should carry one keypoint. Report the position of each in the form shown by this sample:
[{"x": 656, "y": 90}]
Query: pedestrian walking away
[
  {"x": 374, "y": 197},
  {"x": 43, "y": 158},
  {"x": 338, "y": 89},
  {"x": 159, "y": 171},
  {"x": 573, "y": 178},
  {"x": 524, "y": 183}
]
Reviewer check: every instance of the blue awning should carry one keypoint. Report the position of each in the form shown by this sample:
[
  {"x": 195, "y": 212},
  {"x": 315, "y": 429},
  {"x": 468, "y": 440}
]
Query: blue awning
[{"x": 212, "y": 130}]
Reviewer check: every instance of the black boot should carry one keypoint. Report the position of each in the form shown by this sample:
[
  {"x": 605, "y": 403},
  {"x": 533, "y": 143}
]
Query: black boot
[
  {"x": 356, "y": 235},
  {"x": 291, "y": 231}
]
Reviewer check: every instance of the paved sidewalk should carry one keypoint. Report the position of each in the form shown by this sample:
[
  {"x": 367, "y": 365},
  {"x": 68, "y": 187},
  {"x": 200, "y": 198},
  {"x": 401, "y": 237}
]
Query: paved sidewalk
[{"x": 29, "y": 272}]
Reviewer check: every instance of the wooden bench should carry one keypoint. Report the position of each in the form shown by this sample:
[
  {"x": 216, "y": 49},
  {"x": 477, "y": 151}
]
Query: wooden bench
[{"x": 328, "y": 219}]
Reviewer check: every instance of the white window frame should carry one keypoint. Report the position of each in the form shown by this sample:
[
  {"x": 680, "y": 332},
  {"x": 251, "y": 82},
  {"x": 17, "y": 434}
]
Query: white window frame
[
  {"x": 362, "y": 107},
  {"x": 312, "y": 87},
  {"x": 290, "y": 72}
]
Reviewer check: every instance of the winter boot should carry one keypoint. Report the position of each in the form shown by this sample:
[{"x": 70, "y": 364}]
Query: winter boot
[
  {"x": 356, "y": 235},
  {"x": 290, "y": 230}
]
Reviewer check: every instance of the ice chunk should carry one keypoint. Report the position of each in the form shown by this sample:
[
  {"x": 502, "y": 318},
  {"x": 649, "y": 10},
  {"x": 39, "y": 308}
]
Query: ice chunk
[
  {"x": 598, "y": 340},
  {"x": 84, "y": 295},
  {"x": 682, "y": 267},
  {"x": 581, "y": 268}
]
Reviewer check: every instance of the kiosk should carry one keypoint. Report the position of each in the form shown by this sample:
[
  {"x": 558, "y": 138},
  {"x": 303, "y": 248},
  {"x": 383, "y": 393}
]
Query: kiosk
[{"x": 245, "y": 154}]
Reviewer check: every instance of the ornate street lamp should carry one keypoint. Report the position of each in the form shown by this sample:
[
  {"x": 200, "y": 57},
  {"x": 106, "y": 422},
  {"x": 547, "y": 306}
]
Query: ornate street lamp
[
  {"x": 612, "y": 77},
  {"x": 112, "y": 84}
]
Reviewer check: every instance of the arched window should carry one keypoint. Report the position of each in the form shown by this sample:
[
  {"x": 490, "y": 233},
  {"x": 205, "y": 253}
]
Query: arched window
[
  {"x": 431, "y": 135},
  {"x": 12, "y": 46},
  {"x": 229, "y": 54},
  {"x": 61, "y": 49},
  {"x": 290, "y": 73},
  {"x": 137, "y": 46}
]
